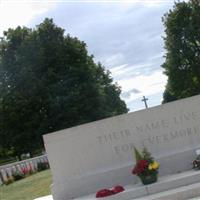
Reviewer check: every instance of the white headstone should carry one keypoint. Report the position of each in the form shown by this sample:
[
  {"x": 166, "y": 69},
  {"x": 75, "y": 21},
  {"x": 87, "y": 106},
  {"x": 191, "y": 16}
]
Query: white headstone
[
  {"x": 97, "y": 155},
  {"x": 4, "y": 175},
  {"x": 19, "y": 168},
  {"x": 14, "y": 169},
  {"x": 32, "y": 165},
  {"x": 9, "y": 171},
  {"x": 1, "y": 181},
  {"x": 35, "y": 164}
]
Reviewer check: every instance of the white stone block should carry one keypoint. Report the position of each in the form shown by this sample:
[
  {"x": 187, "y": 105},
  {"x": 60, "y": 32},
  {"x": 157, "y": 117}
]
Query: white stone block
[{"x": 97, "y": 155}]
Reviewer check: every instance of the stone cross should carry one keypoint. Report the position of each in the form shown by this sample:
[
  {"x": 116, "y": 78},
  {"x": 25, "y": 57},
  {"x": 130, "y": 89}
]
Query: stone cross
[{"x": 145, "y": 101}]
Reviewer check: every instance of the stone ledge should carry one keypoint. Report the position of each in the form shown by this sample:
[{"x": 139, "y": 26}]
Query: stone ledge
[
  {"x": 181, "y": 193},
  {"x": 187, "y": 182},
  {"x": 180, "y": 186}
]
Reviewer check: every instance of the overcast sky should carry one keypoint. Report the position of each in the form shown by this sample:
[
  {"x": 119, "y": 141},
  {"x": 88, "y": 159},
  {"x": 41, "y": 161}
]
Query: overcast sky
[{"x": 125, "y": 36}]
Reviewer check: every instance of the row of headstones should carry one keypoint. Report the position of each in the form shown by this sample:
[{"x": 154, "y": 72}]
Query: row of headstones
[{"x": 7, "y": 172}]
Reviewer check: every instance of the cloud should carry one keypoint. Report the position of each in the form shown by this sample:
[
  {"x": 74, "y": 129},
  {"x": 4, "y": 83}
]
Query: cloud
[
  {"x": 128, "y": 71},
  {"x": 15, "y": 13},
  {"x": 127, "y": 95},
  {"x": 146, "y": 84}
]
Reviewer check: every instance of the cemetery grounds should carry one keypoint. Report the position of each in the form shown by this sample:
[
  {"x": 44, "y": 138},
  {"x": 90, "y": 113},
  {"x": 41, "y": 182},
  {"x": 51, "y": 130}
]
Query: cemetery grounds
[{"x": 29, "y": 188}]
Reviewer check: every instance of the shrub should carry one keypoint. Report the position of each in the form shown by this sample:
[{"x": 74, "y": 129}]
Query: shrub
[
  {"x": 42, "y": 166},
  {"x": 18, "y": 175}
]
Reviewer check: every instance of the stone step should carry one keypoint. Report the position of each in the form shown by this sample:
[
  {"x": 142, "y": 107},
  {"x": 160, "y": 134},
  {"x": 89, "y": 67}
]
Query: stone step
[
  {"x": 196, "y": 198},
  {"x": 186, "y": 181},
  {"x": 180, "y": 186},
  {"x": 181, "y": 193}
]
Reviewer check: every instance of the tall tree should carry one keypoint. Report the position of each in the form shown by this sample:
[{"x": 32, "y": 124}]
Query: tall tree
[
  {"x": 182, "y": 44},
  {"x": 49, "y": 82}
]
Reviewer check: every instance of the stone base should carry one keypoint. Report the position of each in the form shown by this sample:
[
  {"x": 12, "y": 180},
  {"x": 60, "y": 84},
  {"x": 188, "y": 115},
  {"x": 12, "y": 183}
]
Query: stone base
[
  {"x": 180, "y": 186},
  {"x": 181, "y": 193},
  {"x": 107, "y": 178},
  {"x": 174, "y": 187}
]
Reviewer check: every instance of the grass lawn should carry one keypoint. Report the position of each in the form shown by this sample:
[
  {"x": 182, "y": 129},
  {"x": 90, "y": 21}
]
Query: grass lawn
[{"x": 34, "y": 186}]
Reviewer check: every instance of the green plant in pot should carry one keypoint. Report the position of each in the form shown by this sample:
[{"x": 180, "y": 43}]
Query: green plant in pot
[
  {"x": 146, "y": 168},
  {"x": 196, "y": 163}
]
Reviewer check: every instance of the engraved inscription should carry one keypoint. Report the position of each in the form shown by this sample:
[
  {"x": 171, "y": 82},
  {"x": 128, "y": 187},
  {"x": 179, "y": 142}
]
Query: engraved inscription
[
  {"x": 102, "y": 139},
  {"x": 159, "y": 139}
]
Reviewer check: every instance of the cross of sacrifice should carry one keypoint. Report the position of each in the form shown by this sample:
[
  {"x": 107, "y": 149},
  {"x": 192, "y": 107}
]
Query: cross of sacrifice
[{"x": 145, "y": 101}]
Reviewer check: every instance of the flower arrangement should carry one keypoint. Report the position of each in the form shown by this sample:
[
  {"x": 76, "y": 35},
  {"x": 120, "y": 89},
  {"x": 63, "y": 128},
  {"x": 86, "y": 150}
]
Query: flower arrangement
[
  {"x": 108, "y": 192},
  {"x": 146, "y": 167},
  {"x": 196, "y": 162},
  {"x": 25, "y": 171}
]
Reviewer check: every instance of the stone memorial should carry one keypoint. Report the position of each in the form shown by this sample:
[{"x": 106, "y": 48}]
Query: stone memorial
[{"x": 86, "y": 158}]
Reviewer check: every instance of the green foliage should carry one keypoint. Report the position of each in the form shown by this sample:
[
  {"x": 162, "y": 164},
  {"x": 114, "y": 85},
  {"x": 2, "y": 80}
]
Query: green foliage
[
  {"x": 6, "y": 155},
  {"x": 18, "y": 175},
  {"x": 4, "y": 161},
  {"x": 138, "y": 156},
  {"x": 182, "y": 44},
  {"x": 42, "y": 166},
  {"x": 146, "y": 154},
  {"x": 49, "y": 82}
]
